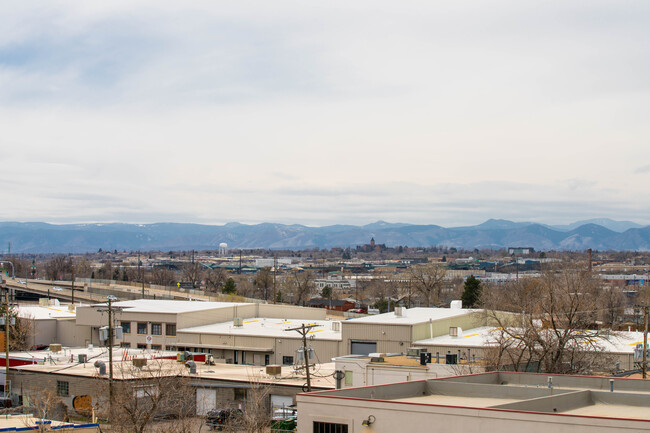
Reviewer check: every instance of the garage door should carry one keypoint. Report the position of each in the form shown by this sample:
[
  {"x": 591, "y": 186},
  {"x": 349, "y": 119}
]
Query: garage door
[
  {"x": 363, "y": 347},
  {"x": 206, "y": 400}
]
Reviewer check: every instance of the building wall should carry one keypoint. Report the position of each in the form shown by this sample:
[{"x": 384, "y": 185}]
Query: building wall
[
  {"x": 396, "y": 417},
  {"x": 279, "y": 311},
  {"x": 440, "y": 327},
  {"x": 72, "y": 335},
  {"x": 364, "y": 373},
  {"x": 216, "y": 315},
  {"x": 222, "y": 346},
  {"x": 389, "y": 338}
]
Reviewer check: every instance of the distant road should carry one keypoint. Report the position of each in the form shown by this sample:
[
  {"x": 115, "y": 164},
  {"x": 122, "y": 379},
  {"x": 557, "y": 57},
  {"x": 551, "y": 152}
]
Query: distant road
[{"x": 95, "y": 292}]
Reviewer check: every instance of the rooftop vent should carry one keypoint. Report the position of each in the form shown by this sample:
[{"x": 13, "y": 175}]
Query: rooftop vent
[
  {"x": 238, "y": 322},
  {"x": 414, "y": 352},
  {"x": 400, "y": 311}
]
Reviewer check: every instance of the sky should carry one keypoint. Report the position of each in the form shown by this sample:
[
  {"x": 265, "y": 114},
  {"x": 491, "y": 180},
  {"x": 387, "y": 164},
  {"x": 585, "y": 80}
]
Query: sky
[{"x": 321, "y": 113}]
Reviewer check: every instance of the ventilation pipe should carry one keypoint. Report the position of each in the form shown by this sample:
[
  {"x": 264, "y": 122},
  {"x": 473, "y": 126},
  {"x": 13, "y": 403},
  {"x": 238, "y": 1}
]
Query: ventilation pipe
[{"x": 101, "y": 366}]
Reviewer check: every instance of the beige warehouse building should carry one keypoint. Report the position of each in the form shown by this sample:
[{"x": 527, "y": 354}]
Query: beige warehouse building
[{"x": 483, "y": 403}]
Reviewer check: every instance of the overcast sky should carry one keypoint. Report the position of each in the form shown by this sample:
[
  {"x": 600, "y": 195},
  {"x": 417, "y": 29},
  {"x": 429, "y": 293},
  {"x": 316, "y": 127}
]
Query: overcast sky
[{"x": 327, "y": 112}]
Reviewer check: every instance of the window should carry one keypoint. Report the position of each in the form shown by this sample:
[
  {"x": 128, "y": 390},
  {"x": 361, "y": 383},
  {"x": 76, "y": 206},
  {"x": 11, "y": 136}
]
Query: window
[
  {"x": 156, "y": 329},
  {"x": 142, "y": 328},
  {"x": 156, "y": 347},
  {"x": 267, "y": 359},
  {"x": 125, "y": 345},
  {"x": 62, "y": 388},
  {"x": 348, "y": 378},
  {"x": 172, "y": 348},
  {"x": 240, "y": 393},
  {"x": 142, "y": 346},
  {"x": 287, "y": 360},
  {"x": 126, "y": 327},
  {"x": 170, "y": 329},
  {"x": 328, "y": 427}
]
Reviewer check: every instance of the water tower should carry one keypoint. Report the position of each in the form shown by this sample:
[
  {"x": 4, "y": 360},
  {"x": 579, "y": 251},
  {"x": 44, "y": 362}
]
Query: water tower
[{"x": 223, "y": 247}]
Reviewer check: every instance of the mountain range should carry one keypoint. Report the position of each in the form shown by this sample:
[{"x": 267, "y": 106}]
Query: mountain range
[{"x": 599, "y": 234}]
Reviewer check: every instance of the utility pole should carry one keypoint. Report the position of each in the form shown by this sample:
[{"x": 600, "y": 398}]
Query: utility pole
[
  {"x": 7, "y": 345},
  {"x": 72, "y": 287},
  {"x": 110, "y": 352},
  {"x": 239, "y": 262},
  {"x": 275, "y": 270},
  {"x": 303, "y": 330},
  {"x": 644, "y": 366}
]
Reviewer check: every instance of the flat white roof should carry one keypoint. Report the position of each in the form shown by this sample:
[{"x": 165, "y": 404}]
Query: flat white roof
[
  {"x": 617, "y": 342},
  {"x": 36, "y": 312},
  {"x": 169, "y": 306},
  {"x": 268, "y": 327},
  {"x": 412, "y": 316}
]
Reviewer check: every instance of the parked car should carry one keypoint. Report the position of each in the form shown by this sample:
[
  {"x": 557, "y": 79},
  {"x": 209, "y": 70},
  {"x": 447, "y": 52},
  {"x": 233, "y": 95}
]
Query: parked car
[
  {"x": 217, "y": 418},
  {"x": 57, "y": 289},
  {"x": 111, "y": 297}
]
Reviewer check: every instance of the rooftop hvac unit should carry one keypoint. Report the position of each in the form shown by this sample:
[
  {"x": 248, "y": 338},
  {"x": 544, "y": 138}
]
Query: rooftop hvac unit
[
  {"x": 238, "y": 322},
  {"x": 54, "y": 348},
  {"x": 456, "y": 305},
  {"x": 336, "y": 326},
  {"x": 451, "y": 358},
  {"x": 455, "y": 331},
  {"x": 274, "y": 370},
  {"x": 414, "y": 352},
  {"x": 139, "y": 362},
  {"x": 377, "y": 359},
  {"x": 83, "y": 358}
]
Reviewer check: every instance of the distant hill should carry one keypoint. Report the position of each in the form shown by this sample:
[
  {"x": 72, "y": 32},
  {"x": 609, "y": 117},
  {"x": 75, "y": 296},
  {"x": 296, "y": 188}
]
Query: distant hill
[{"x": 78, "y": 238}]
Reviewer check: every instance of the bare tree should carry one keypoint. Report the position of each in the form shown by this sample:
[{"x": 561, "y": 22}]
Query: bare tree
[
  {"x": 301, "y": 284},
  {"x": 192, "y": 272},
  {"x": 215, "y": 278},
  {"x": 44, "y": 405},
  {"x": 612, "y": 302},
  {"x": 428, "y": 281},
  {"x": 264, "y": 280},
  {"x": 156, "y": 392},
  {"x": 57, "y": 267},
  {"x": 255, "y": 417},
  {"x": 163, "y": 276},
  {"x": 551, "y": 327}
]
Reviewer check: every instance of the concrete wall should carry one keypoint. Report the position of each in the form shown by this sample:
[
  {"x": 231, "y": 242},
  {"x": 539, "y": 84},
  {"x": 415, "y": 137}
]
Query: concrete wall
[{"x": 391, "y": 417}]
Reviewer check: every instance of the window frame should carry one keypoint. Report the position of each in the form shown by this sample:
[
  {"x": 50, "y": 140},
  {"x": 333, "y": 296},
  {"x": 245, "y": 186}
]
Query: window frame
[
  {"x": 146, "y": 328},
  {"x": 171, "y": 326},
  {"x": 62, "y": 388},
  {"x": 154, "y": 326},
  {"x": 126, "y": 327}
]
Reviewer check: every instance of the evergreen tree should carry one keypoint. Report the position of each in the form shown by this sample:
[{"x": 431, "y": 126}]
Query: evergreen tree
[
  {"x": 471, "y": 296},
  {"x": 230, "y": 288}
]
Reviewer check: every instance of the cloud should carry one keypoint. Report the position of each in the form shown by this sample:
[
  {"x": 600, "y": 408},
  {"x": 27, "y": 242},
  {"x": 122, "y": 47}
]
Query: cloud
[
  {"x": 444, "y": 112},
  {"x": 643, "y": 169}
]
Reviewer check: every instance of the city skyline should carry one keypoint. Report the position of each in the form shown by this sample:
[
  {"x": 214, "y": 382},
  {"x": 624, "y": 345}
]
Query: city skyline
[{"x": 417, "y": 112}]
